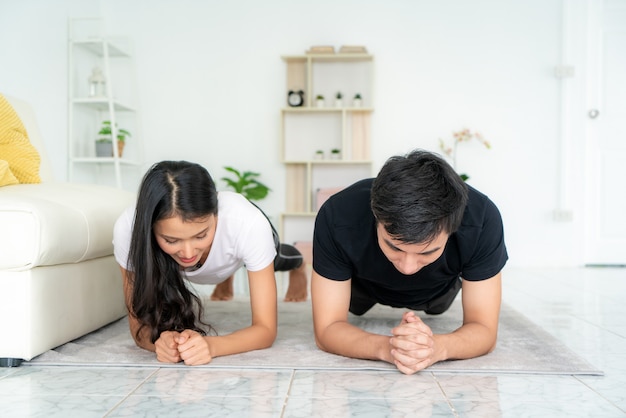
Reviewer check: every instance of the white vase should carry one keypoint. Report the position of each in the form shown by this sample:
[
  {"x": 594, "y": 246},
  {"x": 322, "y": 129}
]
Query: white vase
[
  {"x": 319, "y": 102},
  {"x": 104, "y": 149}
]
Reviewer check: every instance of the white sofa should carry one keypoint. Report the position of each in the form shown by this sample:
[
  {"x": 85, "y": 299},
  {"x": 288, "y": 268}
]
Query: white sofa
[{"x": 58, "y": 277}]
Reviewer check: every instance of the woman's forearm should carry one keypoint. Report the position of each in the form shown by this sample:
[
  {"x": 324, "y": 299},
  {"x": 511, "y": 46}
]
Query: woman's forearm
[
  {"x": 143, "y": 339},
  {"x": 254, "y": 337}
]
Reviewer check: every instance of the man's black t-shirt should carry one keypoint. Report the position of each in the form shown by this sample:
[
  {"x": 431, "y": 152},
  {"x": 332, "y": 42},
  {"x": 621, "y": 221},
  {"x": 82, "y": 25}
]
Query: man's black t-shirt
[{"x": 345, "y": 246}]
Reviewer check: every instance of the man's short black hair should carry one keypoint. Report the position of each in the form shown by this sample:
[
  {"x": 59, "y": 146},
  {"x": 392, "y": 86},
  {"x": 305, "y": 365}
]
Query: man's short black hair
[{"x": 417, "y": 196}]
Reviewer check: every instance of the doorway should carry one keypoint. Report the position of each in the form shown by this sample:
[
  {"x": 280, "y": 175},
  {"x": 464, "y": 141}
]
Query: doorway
[{"x": 605, "y": 148}]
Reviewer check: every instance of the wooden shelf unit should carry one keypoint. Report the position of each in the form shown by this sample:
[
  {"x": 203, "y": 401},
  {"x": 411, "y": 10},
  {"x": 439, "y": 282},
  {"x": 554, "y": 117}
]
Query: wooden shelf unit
[{"x": 309, "y": 128}]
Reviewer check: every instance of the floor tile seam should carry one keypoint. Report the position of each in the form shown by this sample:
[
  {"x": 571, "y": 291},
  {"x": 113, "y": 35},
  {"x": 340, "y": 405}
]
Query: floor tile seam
[
  {"x": 598, "y": 326},
  {"x": 204, "y": 396},
  {"x": 286, "y": 398},
  {"x": 528, "y": 404},
  {"x": 370, "y": 398},
  {"x": 445, "y": 395},
  {"x": 130, "y": 394},
  {"x": 528, "y": 296},
  {"x": 565, "y": 340},
  {"x": 591, "y": 388},
  {"x": 9, "y": 372},
  {"x": 371, "y": 372},
  {"x": 542, "y": 277},
  {"x": 578, "y": 287},
  {"x": 61, "y": 395}
]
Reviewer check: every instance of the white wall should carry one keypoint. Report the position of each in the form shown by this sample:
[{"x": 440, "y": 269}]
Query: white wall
[{"x": 211, "y": 83}]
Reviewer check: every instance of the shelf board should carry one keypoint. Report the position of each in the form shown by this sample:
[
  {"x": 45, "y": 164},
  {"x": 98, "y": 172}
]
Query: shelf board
[
  {"x": 104, "y": 160},
  {"x": 326, "y": 161},
  {"x": 305, "y": 109},
  {"x": 299, "y": 214},
  {"x": 102, "y": 103},
  {"x": 96, "y": 46},
  {"x": 330, "y": 57}
]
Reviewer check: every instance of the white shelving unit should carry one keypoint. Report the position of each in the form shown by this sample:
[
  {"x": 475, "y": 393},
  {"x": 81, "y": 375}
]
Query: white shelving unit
[
  {"x": 88, "y": 48},
  {"x": 308, "y": 128}
]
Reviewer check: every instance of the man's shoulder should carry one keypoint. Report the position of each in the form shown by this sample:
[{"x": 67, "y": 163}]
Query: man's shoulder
[
  {"x": 351, "y": 203},
  {"x": 479, "y": 206}
]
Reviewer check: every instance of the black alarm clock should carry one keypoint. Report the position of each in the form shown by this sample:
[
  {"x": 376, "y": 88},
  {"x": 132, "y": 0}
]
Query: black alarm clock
[{"x": 295, "y": 98}]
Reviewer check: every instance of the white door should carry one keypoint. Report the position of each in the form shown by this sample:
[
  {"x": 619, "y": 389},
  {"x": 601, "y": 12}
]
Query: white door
[{"x": 606, "y": 135}]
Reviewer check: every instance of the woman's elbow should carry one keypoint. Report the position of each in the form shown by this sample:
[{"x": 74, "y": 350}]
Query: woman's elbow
[{"x": 268, "y": 340}]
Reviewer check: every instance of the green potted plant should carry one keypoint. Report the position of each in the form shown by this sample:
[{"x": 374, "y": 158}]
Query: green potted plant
[
  {"x": 104, "y": 143},
  {"x": 319, "y": 100},
  {"x": 335, "y": 154},
  {"x": 319, "y": 154},
  {"x": 356, "y": 102},
  {"x": 246, "y": 183},
  {"x": 338, "y": 99}
]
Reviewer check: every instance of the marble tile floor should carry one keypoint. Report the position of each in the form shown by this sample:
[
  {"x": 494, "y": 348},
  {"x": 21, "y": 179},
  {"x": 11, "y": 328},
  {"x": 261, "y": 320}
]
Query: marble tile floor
[{"x": 584, "y": 307}]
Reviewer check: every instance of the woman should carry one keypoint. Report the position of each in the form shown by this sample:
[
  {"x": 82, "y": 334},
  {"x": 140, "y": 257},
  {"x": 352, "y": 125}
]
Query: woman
[{"x": 182, "y": 230}]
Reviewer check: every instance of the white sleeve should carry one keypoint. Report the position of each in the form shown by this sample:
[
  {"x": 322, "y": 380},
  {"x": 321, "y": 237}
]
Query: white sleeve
[
  {"x": 260, "y": 250},
  {"x": 122, "y": 233},
  {"x": 247, "y": 229}
]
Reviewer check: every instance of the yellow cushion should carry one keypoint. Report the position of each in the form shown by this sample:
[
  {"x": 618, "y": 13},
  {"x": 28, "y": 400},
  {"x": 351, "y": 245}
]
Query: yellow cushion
[
  {"x": 15, "y": 148},
  {"x": 6, "y": 177}
]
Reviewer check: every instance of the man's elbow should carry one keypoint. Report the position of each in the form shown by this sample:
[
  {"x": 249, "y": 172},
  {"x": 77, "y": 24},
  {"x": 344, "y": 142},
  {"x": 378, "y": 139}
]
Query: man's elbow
[
  {"x": 319, "y": 341},
  {"x": 492, "y": 343}
]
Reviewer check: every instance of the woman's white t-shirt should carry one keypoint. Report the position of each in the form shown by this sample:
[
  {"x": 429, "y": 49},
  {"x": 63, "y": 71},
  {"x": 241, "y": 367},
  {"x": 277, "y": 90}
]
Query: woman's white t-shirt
[{"x": 243, "y": 237}]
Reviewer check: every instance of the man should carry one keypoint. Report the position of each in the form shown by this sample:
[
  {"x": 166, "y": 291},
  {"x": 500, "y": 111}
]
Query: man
[{"x": 406, "y": 239}]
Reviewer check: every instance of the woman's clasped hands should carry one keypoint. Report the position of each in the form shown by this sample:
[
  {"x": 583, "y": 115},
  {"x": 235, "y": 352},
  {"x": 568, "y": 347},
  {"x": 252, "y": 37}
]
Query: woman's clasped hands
[
  {"x": 412, "y": 344},
  {"x": 188, "y": 346}
]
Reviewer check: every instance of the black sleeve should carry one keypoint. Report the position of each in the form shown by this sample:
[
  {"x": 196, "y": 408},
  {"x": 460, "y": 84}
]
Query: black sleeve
[
  {"x": 489, "y": 255},
  {"x": 328, "y": 258}
]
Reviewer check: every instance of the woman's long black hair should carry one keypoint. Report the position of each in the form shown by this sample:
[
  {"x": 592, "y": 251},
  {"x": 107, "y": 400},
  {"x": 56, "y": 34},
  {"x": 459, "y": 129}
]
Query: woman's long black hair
[{"x": 161, "y": 300}]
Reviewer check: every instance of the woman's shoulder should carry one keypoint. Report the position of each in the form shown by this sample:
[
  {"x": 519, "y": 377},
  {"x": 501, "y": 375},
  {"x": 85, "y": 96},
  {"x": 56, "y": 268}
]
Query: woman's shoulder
[
  {"x": 232, "y": 202},
  {"x": 226, "y": 196},
  {"x": 126, "y": 218},
  {"x": 234, "y": 207}
]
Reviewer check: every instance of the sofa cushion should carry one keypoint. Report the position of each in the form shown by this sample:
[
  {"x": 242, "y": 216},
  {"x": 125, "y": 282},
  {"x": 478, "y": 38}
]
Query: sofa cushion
[
  {"x": 15, "y": 148},
  {"x": 54, "y": 223}
]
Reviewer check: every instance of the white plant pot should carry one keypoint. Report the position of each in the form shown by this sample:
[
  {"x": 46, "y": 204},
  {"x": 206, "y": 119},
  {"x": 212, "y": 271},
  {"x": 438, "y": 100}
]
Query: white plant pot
[
  {"x": 319, "y": 103},
  {"x": 104, "y": 149}
]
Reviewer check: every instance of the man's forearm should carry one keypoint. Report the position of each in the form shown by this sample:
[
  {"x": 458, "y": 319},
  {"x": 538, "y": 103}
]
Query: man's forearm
[
  {"x": 469, "y": 341},
  {"x": 347, "y": 340}
]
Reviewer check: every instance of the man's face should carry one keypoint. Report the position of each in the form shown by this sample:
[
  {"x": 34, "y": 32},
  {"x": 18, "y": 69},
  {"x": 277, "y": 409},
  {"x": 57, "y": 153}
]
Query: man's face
[{"x": 410, "y": 258}]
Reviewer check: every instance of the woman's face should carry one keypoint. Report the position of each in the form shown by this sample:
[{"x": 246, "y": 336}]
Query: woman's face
[{"x": 187, "y": 242}]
